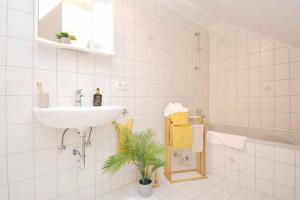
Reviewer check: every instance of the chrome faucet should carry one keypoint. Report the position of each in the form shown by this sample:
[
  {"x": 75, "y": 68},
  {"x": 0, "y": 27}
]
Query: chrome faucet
[{"x": 78, "y": 97}]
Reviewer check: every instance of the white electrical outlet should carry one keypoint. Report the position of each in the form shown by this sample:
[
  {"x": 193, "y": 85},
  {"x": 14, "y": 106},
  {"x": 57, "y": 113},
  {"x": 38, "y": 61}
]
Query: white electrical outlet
[
  {"x": 119, "y": 85},
  {"x": 122, "y": 85},
  {"x": 125, "y": 85}
]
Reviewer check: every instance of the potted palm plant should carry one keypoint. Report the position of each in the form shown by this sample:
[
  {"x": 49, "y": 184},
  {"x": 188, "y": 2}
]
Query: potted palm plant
[{"x": 144, "y": 152}]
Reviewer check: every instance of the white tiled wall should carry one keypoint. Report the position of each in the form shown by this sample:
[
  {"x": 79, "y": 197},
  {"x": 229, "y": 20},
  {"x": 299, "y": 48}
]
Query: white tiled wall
[
  {"x": 253, "y": 81},
  {"x": 263, "y": 166},
  {"x": 155, "y": 53}
]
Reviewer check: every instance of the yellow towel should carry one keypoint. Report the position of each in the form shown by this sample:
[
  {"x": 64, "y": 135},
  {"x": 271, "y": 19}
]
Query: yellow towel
[
  {"x": 182, "y": 136},
  {"x": 123, "y": 131},
  {"x": 179, "y": 118}
]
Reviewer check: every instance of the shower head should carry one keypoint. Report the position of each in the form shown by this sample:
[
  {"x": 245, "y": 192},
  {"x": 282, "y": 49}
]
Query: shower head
[{"x": 197, "y": 34}]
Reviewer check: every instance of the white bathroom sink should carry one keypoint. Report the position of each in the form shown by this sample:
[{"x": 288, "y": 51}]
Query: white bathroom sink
[{"x": 77, "y": 117}]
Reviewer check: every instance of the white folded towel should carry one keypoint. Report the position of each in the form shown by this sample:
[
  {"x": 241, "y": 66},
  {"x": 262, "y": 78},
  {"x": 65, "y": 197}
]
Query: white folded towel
[
  {"x": 198, "y": 131},
  {"x": 229, "y": 140},
  {"x": 174, "y": 108}
]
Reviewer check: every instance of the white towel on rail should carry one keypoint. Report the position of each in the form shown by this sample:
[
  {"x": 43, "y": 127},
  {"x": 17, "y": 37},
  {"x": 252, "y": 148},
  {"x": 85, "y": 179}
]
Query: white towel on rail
[
  {"x": 198, "y": 131},
  {"x": 174, "y": 108}
]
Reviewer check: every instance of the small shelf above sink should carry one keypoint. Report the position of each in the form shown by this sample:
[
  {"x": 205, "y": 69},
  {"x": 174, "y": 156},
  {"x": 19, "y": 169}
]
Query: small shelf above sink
[{"x": 77, "y": 117}]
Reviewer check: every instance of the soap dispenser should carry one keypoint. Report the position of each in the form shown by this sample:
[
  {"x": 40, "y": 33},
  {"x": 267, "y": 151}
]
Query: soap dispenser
[{"x": 97, "y": 98}]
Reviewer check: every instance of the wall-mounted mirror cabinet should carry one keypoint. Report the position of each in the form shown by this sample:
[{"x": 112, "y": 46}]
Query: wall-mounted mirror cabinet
[{"x": 84, "y": 25}]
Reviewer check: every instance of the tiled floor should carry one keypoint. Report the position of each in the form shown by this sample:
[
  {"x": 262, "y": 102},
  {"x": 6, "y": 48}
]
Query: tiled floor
[{"x": 213, "y": 188}]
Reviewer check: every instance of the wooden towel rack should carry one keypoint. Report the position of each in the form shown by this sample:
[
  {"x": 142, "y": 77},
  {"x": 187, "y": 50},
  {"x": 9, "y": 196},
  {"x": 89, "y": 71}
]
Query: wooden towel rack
[{"x": 200, "y": 157}]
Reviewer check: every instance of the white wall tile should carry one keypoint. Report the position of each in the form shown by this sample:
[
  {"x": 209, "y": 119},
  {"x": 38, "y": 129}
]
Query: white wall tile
[
  {"x": 3, "y": 171},
  {"x": 3, "y": 109},
  {"x": 19, "y": 138},
  {"x": 44, "y": 137},
  {"x": 24, "y": 5},
  {"x": 2, "y": 140},
  {"x": 22, "y": 190},
  {"x": 4, "y": 192},
  {"x": 265, "y": 187},
  {"x": 265, "y": 169},
  {"x": 46, "y": 187},
  {"x": 102, "y": 188},
  {"x": 295, "y": 117},
  {"x": 285, "y": 155},
  {"x": 66, "y": 60},
  {"x": 17, "y": 173},
  {"x": 44, "y": 57},
  {"x": 294, "y": 55},
  {"x": 254, "y": 60},
  {"x": 3, "y": 20},
  {"x": 267, "y": 73},
  {"x": 65, "y": 161},
  {"x": 265, "y": 151},
  {"x": 86, "y": 193},
  {"x": 102, "y": 65},
  {"x": 21, "y": 49},
  {"x": 116, "y": 68},
  {"x": 297, "y": 194},
  {"x": 247, "y": 180},
  {"x": 282, "y": 88},
  {"x": 69, "y": 196},
  {"x": 297, "y": 157},
  {"x": 282, "y": 104},
  {"x": 267, "y": 58},
  {"x": 86, "y": 82},
  {"x": 20, "y": 24},
  {"x": 67, "y": 181},
  {"x": 295, "y": 70},
  {"x": 297, "y": 177},
  {"x": 282, "y": 71},
  {"x": 254, "y": 45},
  {"x": 85, "y": 63},
  {"x": 295, "y": 107},
  {"x": 102, "y": 149},
  {"x": 2, "y": 50},
  {"x": 282, "y": 55},
  {"x": 295, "y": 87},
  {"x": 19, "y": 81},
  {"x": 247, "y": 164},
  {"x": 66, "y": 84},
  {"x": 86, "y": 177},
  {"x": 285, "y": 174},
  {"x": 19, "y": 109},
  {"x": 45, "y": 161},
  {"x": 282, "y": 121},
  {"x": 283, "y": 192},
  {"x": 266, "y": 44}
]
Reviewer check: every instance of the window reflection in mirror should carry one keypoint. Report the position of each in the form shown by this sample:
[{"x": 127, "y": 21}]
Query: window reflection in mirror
[{"x": 81, "y": 23}]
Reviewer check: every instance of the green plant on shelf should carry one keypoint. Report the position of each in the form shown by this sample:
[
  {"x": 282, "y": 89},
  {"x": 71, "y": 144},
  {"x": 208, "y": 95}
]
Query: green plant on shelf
[{"x": 61, "y": 35}]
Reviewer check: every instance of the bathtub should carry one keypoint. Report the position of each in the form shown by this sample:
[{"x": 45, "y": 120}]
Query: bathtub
[
  {"x": 280, "y": 137},
  {"x": 269, "y": 162}
]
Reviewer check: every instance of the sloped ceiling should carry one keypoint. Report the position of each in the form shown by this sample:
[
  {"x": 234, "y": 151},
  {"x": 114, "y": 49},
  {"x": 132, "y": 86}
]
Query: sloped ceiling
[{"x": 277, "y": 19}]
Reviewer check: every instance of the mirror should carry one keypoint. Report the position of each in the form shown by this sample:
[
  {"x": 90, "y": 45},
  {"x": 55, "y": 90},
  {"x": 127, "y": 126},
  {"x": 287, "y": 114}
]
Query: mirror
[{"x": 85, "y": 25}]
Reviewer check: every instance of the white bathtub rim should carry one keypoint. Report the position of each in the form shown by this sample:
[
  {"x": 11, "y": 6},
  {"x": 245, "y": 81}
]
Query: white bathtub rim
[{"x": 261, "y": 136}]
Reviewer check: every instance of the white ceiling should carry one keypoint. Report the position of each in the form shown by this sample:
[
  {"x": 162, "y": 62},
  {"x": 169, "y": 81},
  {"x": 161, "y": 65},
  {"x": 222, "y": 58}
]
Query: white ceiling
[{"x": 277, "y": 19}]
